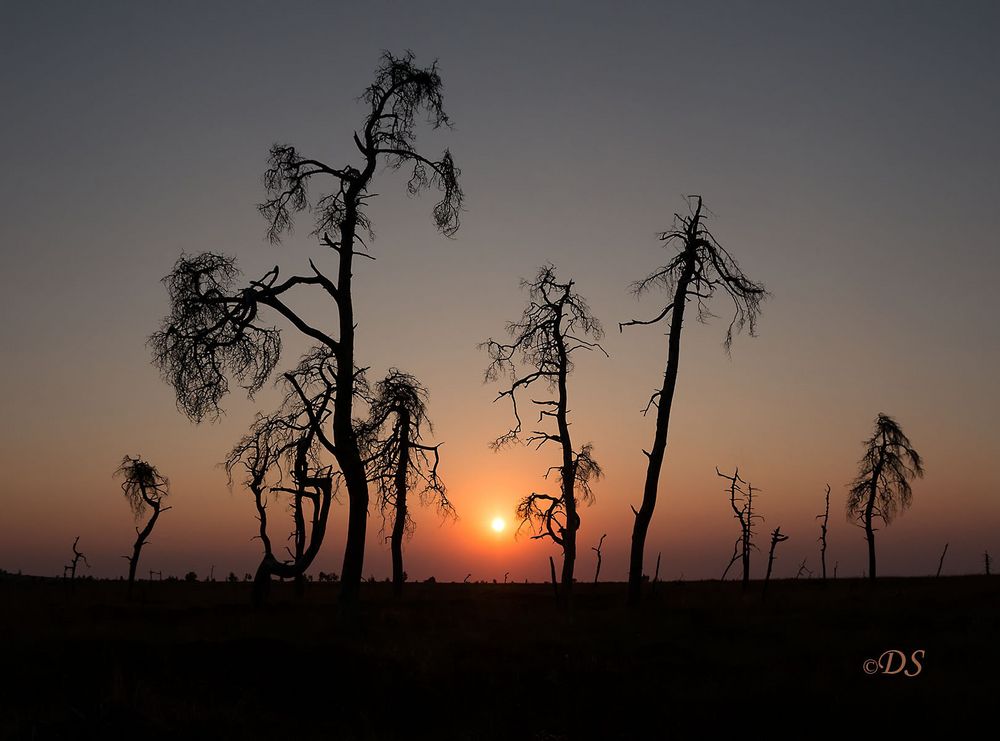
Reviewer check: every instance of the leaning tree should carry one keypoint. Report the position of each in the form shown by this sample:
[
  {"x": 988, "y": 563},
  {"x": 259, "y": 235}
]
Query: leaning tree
[
  {"x": 699, "y": 269},
  {"x": 216, "y": 329},
  {"x": 556, "y": 324},
  {"x": 398, "y": 461},
  {"x": 882, "y": 487},
  {"x": 144, "y": 487}
]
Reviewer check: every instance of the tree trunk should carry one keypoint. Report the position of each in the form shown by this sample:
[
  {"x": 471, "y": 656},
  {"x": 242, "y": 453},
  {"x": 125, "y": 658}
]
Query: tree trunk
[
  {"x": 270, "y": 566},
  {"x": 568, "y": 474},
  {"x": 644, "y": 514},
  {"x": 870, "y": 509},
  {"x": 140, "y": 541},
  {"x": 399, "y": 526},
  {"x": 347, "y": 453},
  {"x": 870, "y": 536},
  {"x": 826, "y": 521},
  {"x": 261, "y": 583},
  {"x": 746, "y": 560}
]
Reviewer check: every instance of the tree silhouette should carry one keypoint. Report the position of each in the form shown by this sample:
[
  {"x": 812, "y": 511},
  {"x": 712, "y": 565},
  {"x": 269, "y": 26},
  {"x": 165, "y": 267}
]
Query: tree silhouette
[
  {"x": 281, "y": 454},
  {"x": 144, "y": 487},
  {"x": 78, "y": 556},
  {"x": 776, "y": 537},
  {"x": 556, "y": 324},
  {"x": 823, "y": 530},
  {"x": 215, "y": 330},
  {"x": 597, "y": 550},
  {"x": 882, "y": 487},
  {"x": 700, "y": 268},
  {"x": 941, "y": 560},
  {"x": 741, "y": 501},
  {"x": 398, "y": 461}
]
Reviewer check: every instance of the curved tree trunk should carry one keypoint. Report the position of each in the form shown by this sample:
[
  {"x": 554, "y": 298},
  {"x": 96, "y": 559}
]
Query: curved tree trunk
[
  {"x": 644, "y": 514},
  {"x": 271, "y": 566},
  {"x": 140, "y": 541},
  {"x": 261, "y": 583}
]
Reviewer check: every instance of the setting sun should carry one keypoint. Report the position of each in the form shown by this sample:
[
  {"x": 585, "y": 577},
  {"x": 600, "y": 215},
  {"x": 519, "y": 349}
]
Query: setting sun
[{"x": 498, "y": 524}]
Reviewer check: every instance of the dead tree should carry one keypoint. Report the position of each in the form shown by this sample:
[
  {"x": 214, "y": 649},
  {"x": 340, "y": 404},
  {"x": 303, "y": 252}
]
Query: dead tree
[
  {"x": 282, "y": 455},
  {"x": 741, "y": 502},
  {"x": 144, "y": 487},
  {"x": 803, "y": 569},
  {"x": 77, "y": 557},
  {"x": 941, "y": 560},
  {"x": 882, "y": 487},
  {"x": 215, "y": 330},
  {"x": 597, "y": 550},
  {"x": 399, "y": 462},
  {"x": 987, "y": 561},
  {"x": 776, "y": 537},
  {"x": 556, "y": 325},
  {"x": 656, "y": 574},
  {"x": 823, "y": 529},
  {"x": 699, "y": 269}
]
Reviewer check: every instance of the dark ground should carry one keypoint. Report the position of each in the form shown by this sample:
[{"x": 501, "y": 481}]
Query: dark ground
[{"x": 479, "y": 661}]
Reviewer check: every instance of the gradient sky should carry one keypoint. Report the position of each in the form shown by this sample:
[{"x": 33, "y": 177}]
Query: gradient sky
[{"x": 849, "y": 152}]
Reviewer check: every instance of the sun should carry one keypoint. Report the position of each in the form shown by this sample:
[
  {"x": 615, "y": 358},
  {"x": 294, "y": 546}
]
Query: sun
[{"x": 498, "y": 524}]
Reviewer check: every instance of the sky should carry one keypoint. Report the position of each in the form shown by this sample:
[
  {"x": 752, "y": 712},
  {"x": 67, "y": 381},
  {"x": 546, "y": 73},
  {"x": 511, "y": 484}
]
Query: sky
[{"x": 848, "y": 154}]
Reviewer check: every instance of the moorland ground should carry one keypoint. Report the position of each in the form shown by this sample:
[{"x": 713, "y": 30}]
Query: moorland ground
[{"x": 484, "y": 661}]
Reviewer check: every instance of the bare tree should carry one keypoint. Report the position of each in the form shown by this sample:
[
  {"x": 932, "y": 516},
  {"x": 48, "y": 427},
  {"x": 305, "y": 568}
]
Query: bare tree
[
  {"x": 399, "y": 462},
  {"x": 987, "y": 561},
  {"x": 741, "y": 501},
  {"x": 776, "y": 537},
  {"x": 597, "y": 550},
  {"x": 215, "y": 330},
  {"x": 281, "y": 455},
  {"x": 941, "y": 560},
  {"x": 823, "y": 529},
  {"x": 78, "y": 556},
  {"x": 144, "y": 487},
  {"x": 556, "y": 324},
  {"x": 700, "y": 268},
  {"x": 882, "y": 487}
]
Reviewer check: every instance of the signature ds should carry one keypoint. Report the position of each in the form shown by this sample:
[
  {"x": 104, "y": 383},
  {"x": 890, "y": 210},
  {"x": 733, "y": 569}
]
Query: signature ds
[{"x": 894, "y": 661}]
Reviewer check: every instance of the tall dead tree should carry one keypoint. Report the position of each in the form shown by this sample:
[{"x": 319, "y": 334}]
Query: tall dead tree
[
  {"x": 882, "y": 487},
  {"x": 398, "y": 461},
  {"x": 281, "y": 456},
  {"x": 556, "y": 325},
  {"x": 77, "y": 557},
  {"x": 776, "y": 537},
  {"x": 144, "y": 488},
  {"x": 215, "y": 330},
  {"x": 699, "y": 269},
  {"x": 825, "y": 517},
  {"x": 741, "y": 501},
  {"x": 597, "y": 550}
]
